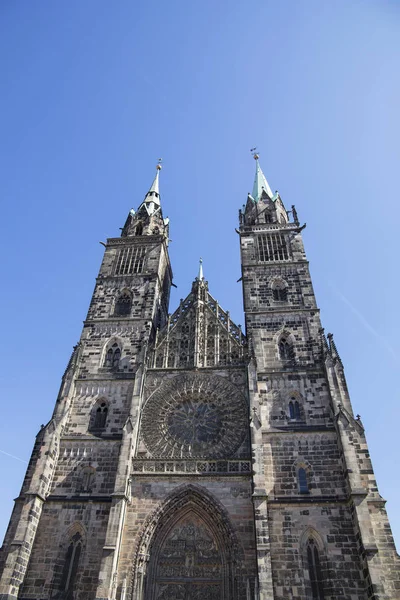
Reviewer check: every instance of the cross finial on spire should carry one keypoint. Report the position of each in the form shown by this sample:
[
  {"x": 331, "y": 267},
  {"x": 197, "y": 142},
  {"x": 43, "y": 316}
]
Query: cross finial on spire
[{"x": 254, "y": 153}]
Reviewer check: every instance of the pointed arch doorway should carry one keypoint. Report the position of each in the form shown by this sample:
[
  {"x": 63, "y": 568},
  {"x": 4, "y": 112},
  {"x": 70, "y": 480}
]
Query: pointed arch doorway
[
  {"x": 190, "y": 554},
  {"x": 188, "y": 565}
]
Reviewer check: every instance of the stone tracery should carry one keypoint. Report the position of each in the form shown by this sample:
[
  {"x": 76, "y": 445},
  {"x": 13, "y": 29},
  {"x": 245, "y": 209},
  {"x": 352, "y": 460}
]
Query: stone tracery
[
  {"x": 194, "y": 415},
  {"x": 189, "y": 551},
  {"x": 199, "y": 333}
]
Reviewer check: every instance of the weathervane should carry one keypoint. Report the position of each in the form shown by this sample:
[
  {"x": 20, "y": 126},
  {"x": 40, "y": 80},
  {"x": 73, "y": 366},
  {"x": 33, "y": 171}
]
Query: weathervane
[
  {"x": 159, "y": 167},
  {"x": 254, "y": 153}
]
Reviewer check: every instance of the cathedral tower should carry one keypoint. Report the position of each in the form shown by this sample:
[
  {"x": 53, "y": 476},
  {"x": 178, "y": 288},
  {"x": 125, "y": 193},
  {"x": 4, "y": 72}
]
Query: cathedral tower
[
  {"x": 188, "y": 460},
  {"x": 322, "y": 529}
]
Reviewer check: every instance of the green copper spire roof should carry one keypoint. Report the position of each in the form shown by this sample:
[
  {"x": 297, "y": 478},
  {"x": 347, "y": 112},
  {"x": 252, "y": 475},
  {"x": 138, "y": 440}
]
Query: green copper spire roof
[
  {"x": 260, "y": 183},
  {"x": 153, "y": 195}
]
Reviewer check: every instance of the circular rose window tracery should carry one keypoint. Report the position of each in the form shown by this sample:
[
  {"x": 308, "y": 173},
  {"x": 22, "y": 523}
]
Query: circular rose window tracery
[{"x": 194, "y": 416}]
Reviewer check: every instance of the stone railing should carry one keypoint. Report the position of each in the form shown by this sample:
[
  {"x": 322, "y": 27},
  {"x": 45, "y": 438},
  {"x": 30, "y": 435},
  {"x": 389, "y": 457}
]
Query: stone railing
[{"x": 197, "y": 467}]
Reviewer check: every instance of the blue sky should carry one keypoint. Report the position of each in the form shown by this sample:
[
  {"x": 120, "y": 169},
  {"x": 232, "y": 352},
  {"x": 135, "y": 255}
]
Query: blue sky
[{"x": 93, "y": 93}]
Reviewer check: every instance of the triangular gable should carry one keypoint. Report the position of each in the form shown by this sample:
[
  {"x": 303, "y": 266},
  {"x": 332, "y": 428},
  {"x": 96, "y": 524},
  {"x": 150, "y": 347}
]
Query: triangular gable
[{"x": 199, "y": 334}]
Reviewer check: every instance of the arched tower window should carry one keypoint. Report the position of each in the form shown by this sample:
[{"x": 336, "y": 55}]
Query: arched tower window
[
  {"x": 268, "y": 217},
  {"x": 139, "y": 228},
  {"x": 285, "y": 348},
  {"x": 279, "y": 290},
  {"x": 123, "y": 305},
  {"x": 314, "y": 570},
  {"x": 113, "y": 356},
  {"x": 294, "y": 410},
  {"x": 303, "y": 481},
  {"x": 99, "y": 416},
  {"x": 71, "y": 565},
  {"x": 280, "y": 294}
]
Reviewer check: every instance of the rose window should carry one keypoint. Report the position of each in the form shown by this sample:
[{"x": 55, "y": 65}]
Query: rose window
[{"x": 194, "y": 416}]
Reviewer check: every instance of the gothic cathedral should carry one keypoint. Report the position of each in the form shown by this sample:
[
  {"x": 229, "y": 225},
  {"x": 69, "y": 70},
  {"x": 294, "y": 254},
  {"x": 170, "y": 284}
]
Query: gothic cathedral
[{"x": 187, "y": 459}]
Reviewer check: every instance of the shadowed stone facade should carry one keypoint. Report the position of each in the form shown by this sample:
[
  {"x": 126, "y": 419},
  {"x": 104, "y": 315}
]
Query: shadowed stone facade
[{"x": 186, "y": 460}]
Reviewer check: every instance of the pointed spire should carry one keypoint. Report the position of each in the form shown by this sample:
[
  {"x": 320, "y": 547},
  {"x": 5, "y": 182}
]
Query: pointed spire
[
  {"x": 260, "y": 182},
  {"x": 153, "y": 195},
  {"x": 200, "y": 276}
]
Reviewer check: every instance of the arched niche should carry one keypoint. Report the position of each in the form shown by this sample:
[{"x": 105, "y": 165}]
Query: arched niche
[{"x": 188, "y": 551}]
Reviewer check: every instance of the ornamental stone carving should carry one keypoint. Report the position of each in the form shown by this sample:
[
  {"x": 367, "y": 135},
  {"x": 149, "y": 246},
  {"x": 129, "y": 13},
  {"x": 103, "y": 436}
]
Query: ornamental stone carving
[{"x": 194, "y": 416}]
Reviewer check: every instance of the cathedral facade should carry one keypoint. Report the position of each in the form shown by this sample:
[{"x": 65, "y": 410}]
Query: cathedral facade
[{"x": 187, "y": 459}]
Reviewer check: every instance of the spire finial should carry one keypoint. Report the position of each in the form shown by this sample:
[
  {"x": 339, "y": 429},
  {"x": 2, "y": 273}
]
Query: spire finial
[
  {"x": 254, "y": 153},
  {"x": 201, "y": 276},
  {"x": 153, "y": 195},
  {"x": 260, "y": 182}
]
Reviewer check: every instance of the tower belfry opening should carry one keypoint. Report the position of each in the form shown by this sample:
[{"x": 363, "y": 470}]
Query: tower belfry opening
[{"x": 187, "y": 459}]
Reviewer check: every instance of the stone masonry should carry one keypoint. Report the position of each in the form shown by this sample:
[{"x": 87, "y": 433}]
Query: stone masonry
[{"x": 186, "y": 459}]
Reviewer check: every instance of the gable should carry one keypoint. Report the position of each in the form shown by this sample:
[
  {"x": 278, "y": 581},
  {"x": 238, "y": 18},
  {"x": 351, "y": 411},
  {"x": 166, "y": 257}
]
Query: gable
[{"x": 199, "y": 334}]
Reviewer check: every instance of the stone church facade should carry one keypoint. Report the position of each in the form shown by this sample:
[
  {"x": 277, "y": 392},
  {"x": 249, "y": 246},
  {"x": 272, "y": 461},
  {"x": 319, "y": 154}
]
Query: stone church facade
[{"x": 188, "y": 460}]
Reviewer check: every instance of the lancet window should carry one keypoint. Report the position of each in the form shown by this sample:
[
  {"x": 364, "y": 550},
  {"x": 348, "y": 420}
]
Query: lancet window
[
  {"x": 113, "y": 356},
  {"x": 285, "y": 349},
  {"x": 71, "y": 564},
  {"x": 99, "y": 416},
  {"x": 294, "y": 410},
  {"x": 314, "y": 570},
  {"x": 302, "y": 481}
]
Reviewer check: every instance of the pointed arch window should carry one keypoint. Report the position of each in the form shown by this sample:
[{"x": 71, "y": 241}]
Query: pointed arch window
[
  {"x": 280, "y": 294},
  {"x": 285, "y": 349},
  {"x": 113, "y": 356},
  {"x": 279, "y": 290},
  {"x": 314, "y": 570},
  {"x": 71, "y": 564},
  {"x": 116, "y": 357},
  {"x": 139, "y": 228},
  {"x": 100, "y": 414},
  {"x": 294, "y": 410},
  {"x": 303, "y": 481},
  {"x": 268, "y": 217},
  {"x": 123, "y": 305}
]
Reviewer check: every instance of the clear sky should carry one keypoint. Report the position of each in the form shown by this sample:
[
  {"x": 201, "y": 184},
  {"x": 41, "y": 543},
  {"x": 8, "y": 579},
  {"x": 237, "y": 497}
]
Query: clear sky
[{"x": 94, "y": 92}]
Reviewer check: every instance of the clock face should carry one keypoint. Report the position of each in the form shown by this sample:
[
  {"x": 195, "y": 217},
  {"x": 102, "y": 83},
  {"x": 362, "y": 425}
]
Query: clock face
[{"x": 196, "y": 415}]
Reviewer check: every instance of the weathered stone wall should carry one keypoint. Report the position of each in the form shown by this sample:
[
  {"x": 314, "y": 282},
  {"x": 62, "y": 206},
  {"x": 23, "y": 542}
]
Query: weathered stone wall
[
  {"x": 332, "y": 526},
  {"x": 233, "y": 493},
  {"x": 341, "y": 511},
  {"x": 75, "y": 457},
  {"x": 58, "y": 522},
  {"x": 117, "y": 395}
]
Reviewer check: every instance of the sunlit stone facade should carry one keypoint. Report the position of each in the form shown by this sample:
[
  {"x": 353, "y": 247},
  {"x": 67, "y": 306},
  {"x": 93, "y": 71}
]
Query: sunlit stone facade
[{"x": 188, "y": 460}]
